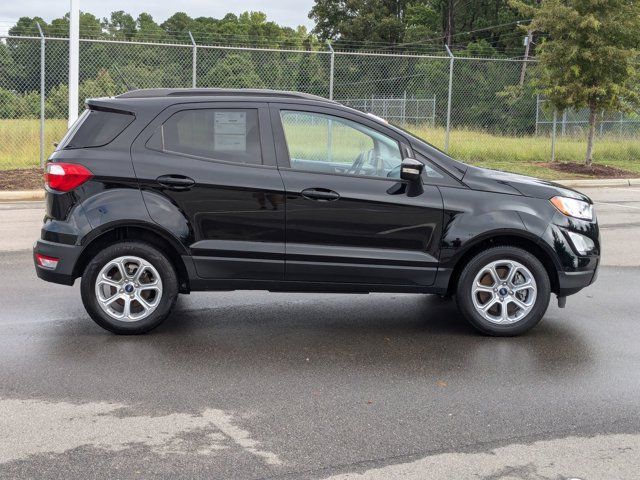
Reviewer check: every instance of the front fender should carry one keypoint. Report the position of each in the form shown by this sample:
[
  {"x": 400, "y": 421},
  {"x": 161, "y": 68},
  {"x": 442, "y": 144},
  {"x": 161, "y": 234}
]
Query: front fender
[{"x": 471, "y": 217}]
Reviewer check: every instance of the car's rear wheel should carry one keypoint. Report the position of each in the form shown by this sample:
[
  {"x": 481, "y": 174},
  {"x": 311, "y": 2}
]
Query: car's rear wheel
[
  {"x": 503, "y": 291},
  {"x": 129, "y": 288}
]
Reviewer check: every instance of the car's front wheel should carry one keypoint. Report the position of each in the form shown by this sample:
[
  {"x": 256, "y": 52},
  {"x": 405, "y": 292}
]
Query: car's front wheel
[
  {"x": 129, "y": 288},
  {"x": 503, "y": 291}
]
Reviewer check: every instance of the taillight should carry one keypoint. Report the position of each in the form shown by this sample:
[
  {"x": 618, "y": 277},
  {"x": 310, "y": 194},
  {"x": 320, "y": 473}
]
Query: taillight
[
  {"x": 66, "y": 176},
  {"x": 50, "y": 263}
]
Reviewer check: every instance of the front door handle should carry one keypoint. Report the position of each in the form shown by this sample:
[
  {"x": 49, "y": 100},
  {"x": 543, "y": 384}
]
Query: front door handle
[
  {"x": 176, "y": 182},
  {"x": 320, "y": 194}
]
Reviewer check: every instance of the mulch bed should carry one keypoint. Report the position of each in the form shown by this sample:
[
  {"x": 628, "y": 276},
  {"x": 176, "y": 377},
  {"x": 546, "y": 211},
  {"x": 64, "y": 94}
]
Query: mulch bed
[
  {"x": 595, "y": 170},
  {"x": 21, "y": 179}
]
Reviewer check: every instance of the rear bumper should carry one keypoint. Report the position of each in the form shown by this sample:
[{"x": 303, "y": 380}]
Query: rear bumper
[{"x": 64, "y": 273}]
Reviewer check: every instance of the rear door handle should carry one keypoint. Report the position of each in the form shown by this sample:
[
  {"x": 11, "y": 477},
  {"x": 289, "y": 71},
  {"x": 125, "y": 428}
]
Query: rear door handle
[
  {"x": 320, "y": 194},
  {"x": 176, "y": 182}
]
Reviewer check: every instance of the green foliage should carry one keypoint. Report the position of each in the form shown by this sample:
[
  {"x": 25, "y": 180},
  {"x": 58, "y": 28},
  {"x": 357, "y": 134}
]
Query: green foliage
[
  {"x": 589, "y": 57},
  {"x": 235, "y": 70},
  {"x": 419, "y": 24},
  {"x": 360, "y": 20},
  {"x": 15, "y": 105}
]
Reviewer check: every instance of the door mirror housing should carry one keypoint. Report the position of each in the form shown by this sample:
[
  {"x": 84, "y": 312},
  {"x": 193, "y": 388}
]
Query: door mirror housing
[{"x": 411, "y": 170}]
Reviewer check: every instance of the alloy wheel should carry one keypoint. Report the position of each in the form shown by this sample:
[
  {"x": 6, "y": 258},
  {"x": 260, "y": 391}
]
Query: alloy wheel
[
  {"x": 504, "y": 292},
  {"x": 128, "y": 288}
]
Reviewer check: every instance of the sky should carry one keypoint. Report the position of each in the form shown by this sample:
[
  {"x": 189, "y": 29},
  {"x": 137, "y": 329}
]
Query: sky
[{"x": 284, "y": 12}]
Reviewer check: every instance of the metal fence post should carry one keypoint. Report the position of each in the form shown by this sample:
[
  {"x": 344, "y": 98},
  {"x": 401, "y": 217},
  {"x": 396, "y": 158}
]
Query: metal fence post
[
  {"x": 537, "y": 112},
  {"x": 447, "y": 133},
  {"x": 42, "y": 92},
  {"x": 404, "y": 108},
  {"x": 553, "y": 136},
  {"x": 331, "y": 67},
  {"x": 194, "y": 61}
]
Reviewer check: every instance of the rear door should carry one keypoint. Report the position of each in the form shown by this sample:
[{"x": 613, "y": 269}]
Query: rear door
[
  {"x": 350, "y": 219},
  {"x": 215, "y": 163}
]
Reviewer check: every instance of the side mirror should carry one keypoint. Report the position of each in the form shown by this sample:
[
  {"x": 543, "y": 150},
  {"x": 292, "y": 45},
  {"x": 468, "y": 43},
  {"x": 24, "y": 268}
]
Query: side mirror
[{"x": 411, "y": 170}]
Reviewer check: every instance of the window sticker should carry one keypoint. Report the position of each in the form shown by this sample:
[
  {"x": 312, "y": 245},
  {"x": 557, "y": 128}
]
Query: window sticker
[{"x": 230, "y": 131}]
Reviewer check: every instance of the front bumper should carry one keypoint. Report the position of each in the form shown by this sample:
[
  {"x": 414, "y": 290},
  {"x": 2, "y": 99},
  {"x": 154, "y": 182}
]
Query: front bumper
[
  {"x": 572, "y": 282},
  {"x": 64, "y": 273}
]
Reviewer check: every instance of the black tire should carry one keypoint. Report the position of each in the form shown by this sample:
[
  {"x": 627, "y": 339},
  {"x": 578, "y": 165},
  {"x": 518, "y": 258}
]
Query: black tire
[
  {"x": 146, "y": 252},
  {"x": 464, "y": 297}
]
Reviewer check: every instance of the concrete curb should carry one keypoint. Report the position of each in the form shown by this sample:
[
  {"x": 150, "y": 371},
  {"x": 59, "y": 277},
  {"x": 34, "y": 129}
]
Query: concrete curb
[
  {"x": 30, "y": 195},
  {"x": 21, "y": 195},
  {"x": 602, "y": 182}
]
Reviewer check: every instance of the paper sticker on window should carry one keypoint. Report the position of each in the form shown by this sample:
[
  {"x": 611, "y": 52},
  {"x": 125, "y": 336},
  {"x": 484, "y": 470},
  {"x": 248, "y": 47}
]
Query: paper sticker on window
[
  {"x": 230, "y": 131},
  {"x": 235, "y": 143}
]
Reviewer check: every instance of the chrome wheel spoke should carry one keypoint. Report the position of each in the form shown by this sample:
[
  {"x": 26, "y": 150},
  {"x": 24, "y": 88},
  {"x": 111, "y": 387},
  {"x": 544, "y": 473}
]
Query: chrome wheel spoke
[
  {"x": 139, "y": 272},
  {"x": 494, "y": 274},
  {"x": 126, "y": 308},
  {"x": 485, "y": 307},
  {"x": 513, "y": 270},
  {"x": 149, "y": 286},
  {"x": 107, "y": 281},
  {"x": 483, "y": 288},
  {"x": 108, "y": 301},
  {"x": 520, "y": 304},
  {"x": 504, "y": 312},
  {"x": 521, "y": 287}
]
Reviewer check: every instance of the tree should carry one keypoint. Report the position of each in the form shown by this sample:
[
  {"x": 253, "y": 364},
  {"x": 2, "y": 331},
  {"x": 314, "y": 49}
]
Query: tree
[
  {"x": 589, "y": 57},
  {"x": 120, "y": 25},
  {"x": 360, "y": 20},
  {"x": 235, "y": 70}
]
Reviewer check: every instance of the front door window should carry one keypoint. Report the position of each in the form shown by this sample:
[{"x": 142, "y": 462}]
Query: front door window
[{"x": 328, "y": 144}]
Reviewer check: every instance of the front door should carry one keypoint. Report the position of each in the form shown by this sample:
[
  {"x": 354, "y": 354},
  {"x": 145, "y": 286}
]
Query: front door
[
  {"x": 215, "y": 162},
  {"x": 350, "y": 219}
]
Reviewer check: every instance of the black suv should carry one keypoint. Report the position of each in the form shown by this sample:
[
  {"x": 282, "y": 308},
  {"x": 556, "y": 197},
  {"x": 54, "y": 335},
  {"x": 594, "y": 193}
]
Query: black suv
[{"x": 166, "y": 191}]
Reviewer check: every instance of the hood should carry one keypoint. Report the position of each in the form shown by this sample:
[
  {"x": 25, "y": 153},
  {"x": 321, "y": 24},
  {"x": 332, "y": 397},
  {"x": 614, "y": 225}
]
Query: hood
[{"x": 502, "y": 182}]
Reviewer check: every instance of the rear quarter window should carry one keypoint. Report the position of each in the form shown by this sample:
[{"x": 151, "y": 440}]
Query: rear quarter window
[
  {"x": 229, "y": 135},
  {"x": 96, "y": 128}
]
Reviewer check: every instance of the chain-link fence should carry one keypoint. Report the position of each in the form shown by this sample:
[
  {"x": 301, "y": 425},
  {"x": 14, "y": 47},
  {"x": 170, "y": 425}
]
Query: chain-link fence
[{"x": 479, "y": 109}]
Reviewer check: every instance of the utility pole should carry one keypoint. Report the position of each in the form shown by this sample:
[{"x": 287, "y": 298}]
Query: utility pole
[
  {"x": 74, "y": 53},
  {"x": 449, "y": 23},
  {"x": 527, "y": 46}
]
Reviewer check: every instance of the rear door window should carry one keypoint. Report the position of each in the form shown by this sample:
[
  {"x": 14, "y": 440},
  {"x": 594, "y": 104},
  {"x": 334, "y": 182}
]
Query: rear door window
[
  {"x": 229, "y": 135},
  {"x": 96, "y": 128}
]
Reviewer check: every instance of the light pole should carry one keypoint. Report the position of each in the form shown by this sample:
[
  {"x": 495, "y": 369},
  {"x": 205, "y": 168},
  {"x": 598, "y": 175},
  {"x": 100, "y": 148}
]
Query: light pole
[{"x": 74, "y": 52}]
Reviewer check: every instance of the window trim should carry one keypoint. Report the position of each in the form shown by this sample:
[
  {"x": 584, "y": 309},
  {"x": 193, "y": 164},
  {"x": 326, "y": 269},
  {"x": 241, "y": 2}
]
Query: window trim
[{"x": 264, "y": 129}]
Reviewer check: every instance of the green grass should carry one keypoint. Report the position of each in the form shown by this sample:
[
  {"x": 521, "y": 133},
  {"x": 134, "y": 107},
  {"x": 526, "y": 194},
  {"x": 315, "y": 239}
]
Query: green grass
[
  {"x": 20, "y": 147},
  {"x": 524, "y": 154},
  {"x": 20, "y": 141}
]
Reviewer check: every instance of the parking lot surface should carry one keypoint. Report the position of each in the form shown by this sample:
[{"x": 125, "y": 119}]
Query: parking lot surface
[{"x": 259, "y": 385}]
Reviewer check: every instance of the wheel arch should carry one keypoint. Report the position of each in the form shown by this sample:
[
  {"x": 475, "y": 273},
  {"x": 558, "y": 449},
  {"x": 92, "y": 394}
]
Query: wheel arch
[
  {"x": 138, "y": 232},
  {"x": 506, "y": 239}
]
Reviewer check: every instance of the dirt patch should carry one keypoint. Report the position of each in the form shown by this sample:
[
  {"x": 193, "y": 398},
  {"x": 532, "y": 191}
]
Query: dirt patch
[
  {"x": 595, "y": 170},
  {"x": 21, "y": 179}
]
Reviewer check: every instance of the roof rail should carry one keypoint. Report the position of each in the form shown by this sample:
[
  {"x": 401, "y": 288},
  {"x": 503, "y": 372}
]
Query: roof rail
[{"x": 222, "y": 92}]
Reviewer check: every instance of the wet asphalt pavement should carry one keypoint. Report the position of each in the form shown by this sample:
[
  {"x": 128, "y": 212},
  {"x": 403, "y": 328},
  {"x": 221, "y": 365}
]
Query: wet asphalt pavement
[{"x": 259, "y": 385}]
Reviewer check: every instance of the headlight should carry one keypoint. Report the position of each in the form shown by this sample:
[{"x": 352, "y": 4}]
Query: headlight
[{"x": 573, "y": 208}]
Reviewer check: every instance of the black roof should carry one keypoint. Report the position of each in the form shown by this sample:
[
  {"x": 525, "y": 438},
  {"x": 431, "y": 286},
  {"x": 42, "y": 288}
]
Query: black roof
[{"x": 219, "y": 92}]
